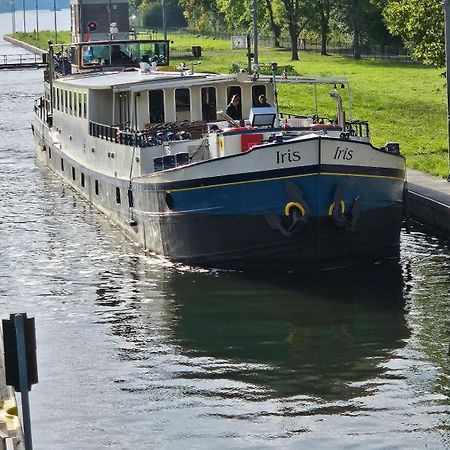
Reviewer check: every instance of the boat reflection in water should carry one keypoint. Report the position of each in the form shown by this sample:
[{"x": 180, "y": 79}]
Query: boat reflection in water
[{"x": 288, "y": 336}]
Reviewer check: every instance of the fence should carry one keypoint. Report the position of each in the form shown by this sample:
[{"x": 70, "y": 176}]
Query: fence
[{"x": 377, "y": 51}]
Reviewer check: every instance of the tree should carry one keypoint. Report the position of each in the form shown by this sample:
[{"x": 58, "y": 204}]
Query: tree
[
  {"x": 152, "y": 14},
  {"x": 274, "y": 25},
  {"x": 321, "y": 22},
  {"x": 359, "y": 17},
  {"x": 298, "y": 14},
  {"x": 202, "y": 15},
  {"x": 420, "y": 23}
]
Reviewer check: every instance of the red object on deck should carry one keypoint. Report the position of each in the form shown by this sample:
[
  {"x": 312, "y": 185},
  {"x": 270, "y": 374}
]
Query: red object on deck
[{"x": 250, "y": 140}]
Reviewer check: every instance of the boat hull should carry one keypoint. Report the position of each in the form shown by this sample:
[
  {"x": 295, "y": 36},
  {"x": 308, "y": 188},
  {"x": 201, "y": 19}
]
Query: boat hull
[
  {"x": 248, "y": 242},
  {"x": 324, "y": 214}
]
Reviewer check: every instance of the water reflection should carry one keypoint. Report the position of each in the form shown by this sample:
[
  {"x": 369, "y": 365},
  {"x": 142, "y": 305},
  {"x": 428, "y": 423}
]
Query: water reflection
[{"x": 290, "y": 336}]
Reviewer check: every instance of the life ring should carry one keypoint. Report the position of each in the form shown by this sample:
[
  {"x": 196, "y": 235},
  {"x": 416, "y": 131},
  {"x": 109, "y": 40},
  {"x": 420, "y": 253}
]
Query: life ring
[
  {"x": 290, "y": 205},
  {"x": 333, "y": 205}
]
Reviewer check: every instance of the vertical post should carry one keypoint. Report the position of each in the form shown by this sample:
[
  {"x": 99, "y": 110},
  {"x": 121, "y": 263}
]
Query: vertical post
[
  {"x": 24, "y": 21},
  {"x": 164, "y": 19},
  {"x": 249, "y": 55},
  {"x": 23, "y": 377},
  {"x": 51, "y": 67},
  {"x": 13, "y": 17},
  {"x": 56, "y": 27},
  {"x": 255, "y": 31},
  {"x": 274, "y": 67},
  {"x": 37, "y": 20},
  {"x": 446, "y": 7}
]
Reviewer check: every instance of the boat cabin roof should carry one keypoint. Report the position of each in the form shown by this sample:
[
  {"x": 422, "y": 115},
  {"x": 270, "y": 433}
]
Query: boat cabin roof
[{"x": 136, "y": 80}]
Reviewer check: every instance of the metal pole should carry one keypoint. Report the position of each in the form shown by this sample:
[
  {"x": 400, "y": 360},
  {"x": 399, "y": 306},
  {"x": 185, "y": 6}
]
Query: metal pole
[
  {"x": 23, "y": 376},
  {"x": 56, "y": 27},
  {"x": 249, "y": 58},
  {"x": 255, "y": 31},
  {"x": 37, "y": 19},
  {"x": 13, "y": 4},
  {"x": 446, "y": 7},
  {"x": 24, "y": 24},
  {"x": 164, "y": 19}
]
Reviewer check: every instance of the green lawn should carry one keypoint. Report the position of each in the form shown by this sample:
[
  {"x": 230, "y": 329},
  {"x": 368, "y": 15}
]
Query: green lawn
[{"x": 403, "y": 102}]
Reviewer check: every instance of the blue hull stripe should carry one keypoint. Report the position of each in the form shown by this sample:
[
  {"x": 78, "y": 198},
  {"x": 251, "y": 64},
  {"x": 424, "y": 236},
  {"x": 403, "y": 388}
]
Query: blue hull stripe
[{"x": 252, "y": 198}]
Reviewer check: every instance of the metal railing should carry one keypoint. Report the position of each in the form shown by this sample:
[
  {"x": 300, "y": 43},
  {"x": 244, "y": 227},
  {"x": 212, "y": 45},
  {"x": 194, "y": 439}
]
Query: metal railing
[
  {"x": 22, "y": 59},
  {"x": 154, "y": 135}
]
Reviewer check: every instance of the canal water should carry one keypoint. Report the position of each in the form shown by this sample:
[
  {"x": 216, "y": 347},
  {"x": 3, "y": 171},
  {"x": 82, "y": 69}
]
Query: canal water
[{"x": 135, "y": 352}]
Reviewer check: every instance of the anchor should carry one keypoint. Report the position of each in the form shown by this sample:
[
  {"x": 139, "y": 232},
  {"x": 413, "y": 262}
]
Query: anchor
[
  {"x": 296, "y": 209},
  {"x": 337, "y": 212}
]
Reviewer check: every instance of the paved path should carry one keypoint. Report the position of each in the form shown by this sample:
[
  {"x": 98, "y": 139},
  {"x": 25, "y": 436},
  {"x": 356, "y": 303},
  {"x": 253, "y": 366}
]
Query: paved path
[{"x": 428, "y": 201}]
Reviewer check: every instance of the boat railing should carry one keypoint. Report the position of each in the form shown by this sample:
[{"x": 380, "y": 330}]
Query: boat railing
[
  {"x": 102, "y": 131},
  {"x": 154, "y": 134},
  {"x": 358, "y": 128},
  {"x": 315, "y": 119},
  {"x": 42, "y": 109}
]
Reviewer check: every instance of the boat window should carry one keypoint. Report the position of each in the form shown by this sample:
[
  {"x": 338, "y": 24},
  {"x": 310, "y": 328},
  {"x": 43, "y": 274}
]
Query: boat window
[
  {"x": 97, "y": 188},
  {"x": 73, "y": 173},
  {"x": 49, "y": 153},
  {"x": 234, "y": 90},
  {"x": 156, "y": 106},
  {"x": 124, "y": 110},
  {"x": 209, "y": 104},
  {"x": 70, "y": 102},
  {"x": 118, "y": 200},
  {"x": 62, "y": 165},
  {"x": 66, "y": 102},
  {"x": 83, "y": 182},
  {"x": 257, "y": 90},
  {"x": 84, "y": 105},
  {"x": 153, "y": 52},
  {"x": 75, "y": 104},
  {"x": 130, "y": 198},
  {"x": 58, "y": 107},
  {"x": 182, "y": 104},
  {"x": 79, "y": 105}
]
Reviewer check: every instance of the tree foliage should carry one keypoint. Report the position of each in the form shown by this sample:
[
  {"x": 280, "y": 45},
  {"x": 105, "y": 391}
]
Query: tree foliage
[{"x": 420, "y": 23}]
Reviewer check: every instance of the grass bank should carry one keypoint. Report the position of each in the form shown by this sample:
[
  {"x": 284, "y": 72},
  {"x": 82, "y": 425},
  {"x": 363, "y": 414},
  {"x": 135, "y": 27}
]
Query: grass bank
[{"x": 403, "y": 102}]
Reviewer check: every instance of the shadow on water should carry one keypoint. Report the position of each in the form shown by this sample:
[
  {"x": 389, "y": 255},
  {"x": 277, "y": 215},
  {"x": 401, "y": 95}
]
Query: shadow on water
[{"x": 322, "y": 335}]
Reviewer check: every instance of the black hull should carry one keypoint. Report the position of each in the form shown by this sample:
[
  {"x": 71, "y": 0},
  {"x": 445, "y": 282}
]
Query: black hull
[{"x": 248, "y": 242}]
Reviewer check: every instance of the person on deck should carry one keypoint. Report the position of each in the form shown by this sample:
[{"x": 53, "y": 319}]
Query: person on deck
[
  {"x": 262, "y": 102},
  {"x": 234, "y": 108}
]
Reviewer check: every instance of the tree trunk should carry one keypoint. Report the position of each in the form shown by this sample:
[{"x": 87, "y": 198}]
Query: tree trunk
[
  {"x": 355, "y": 14},
  {"x": 293, "y": 31},
  {"x": 356, "y": 43},
  {"x": 324, "y": 27},
  {"x": 324, "y": 34},
  {"x": 276, "y": 28}
]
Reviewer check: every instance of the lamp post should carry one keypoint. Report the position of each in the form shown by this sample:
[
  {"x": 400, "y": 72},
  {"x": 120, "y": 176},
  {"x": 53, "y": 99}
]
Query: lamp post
[
  {"x": 446, "y": 7},
  {"x": 255, "y": 31},
  {"x": 37, "y": 20},
  {"x": 24, "y": 21},
  {"x": 56, "y": 26},
  {"x": 13, "y": 15},
  {"x": 164, "y": 18}
]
